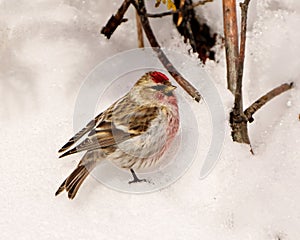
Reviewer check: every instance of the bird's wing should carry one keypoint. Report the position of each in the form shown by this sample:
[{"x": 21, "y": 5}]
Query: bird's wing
[
  {"x": 116, "y": 126},
  {"x": 81, "y": 133}
]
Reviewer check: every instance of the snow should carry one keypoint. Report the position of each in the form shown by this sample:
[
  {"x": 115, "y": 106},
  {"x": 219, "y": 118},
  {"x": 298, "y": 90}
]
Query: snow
[{"x": 47, "y": 50}]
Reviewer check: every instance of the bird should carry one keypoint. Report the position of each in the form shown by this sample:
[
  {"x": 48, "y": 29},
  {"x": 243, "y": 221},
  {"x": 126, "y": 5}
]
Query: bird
[{"x": 133, "y": 133}]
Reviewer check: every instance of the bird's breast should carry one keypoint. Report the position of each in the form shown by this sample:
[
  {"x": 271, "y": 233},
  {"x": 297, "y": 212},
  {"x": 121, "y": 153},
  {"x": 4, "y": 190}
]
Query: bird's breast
[{"x": 146, "y": 149}]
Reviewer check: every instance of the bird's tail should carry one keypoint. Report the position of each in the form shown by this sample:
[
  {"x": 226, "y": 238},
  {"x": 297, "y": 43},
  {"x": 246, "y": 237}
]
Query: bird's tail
[{"x": 76, "y": 178}]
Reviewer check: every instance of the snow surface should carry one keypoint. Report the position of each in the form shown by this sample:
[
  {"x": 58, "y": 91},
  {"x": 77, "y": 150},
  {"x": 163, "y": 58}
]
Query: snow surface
[{"x": 47, "y": 49}]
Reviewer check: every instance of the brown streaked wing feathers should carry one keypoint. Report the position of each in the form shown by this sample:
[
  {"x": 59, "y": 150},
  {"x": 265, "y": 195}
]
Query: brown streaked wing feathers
[
  {"x": 81, "y": 133},
  {"x": 100, "y": 139},
  {"x": 106, "y": 134}
]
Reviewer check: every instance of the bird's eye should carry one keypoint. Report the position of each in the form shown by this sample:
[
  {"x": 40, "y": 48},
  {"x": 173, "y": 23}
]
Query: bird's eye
[{"x": 158, "y": 87}]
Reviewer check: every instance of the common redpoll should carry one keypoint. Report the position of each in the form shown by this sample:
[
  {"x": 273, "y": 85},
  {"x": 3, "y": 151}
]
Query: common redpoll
[{"x": 133, "y": 133}]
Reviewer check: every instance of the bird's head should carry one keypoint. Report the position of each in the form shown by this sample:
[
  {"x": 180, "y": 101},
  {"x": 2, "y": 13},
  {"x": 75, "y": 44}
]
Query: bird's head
[{"x": 154, "y": 85}]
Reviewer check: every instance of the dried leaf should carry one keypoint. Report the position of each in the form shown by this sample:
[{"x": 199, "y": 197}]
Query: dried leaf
[{"x": 170, "y": 4}]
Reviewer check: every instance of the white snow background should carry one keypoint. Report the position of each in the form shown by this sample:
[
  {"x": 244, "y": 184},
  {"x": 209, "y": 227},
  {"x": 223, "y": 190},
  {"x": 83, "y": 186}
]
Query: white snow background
[{"x": 47, "y": 48}]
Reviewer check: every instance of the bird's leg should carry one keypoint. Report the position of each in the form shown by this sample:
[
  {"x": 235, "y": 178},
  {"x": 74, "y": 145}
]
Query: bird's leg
[{"x": 135, "y": 178}]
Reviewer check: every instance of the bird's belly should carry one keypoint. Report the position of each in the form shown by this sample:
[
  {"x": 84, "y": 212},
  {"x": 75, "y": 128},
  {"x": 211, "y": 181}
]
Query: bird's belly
[
  {"x": 139, "y": 152},
  {"x": 144, "y": 150}
]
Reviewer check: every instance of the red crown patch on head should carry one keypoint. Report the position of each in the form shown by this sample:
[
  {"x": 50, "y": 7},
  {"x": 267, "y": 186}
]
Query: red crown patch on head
[{"x": 159, "y": 77}]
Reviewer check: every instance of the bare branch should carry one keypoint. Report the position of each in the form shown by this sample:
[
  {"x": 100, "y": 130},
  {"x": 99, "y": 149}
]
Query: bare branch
[
  {"x": 264, "y": 99},
  {"x": 238, "y": 120},
  {"x": 244, "y": 13},
  {"x": 231, "y": 42},
  {"x": 180, "y": 10},
  {"x": 139, "y": 29},
  {"x": 237, "y": 111},
  {"x": 115, "y": 20},
  {"x": 190, "y": 89}
]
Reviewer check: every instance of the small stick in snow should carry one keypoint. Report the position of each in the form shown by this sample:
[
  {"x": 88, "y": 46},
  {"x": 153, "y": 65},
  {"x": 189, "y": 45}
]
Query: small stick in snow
[{"x": 264, "y": 99}]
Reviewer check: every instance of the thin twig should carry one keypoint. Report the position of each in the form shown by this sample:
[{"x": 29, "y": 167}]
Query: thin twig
[
  {"x": 182, "y": 10},
  {"x": 115, "y": 20},
  {"x": 244, "y": 12},
  {"x": 139, "y": 30},
  {"x": 190, "y": 89},
  {"x": 239, "y": 121},
  {"x": 238, "y": 93},
  {"x": 231, "y": 42},
  {"x": 266, "y": 98}
]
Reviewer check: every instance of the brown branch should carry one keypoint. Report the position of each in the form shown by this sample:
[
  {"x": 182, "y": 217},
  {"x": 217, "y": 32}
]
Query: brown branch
[
  {"x": 190, "y": 89},
  {"x": 234, "y": 61},
  {"x": 238, "y": 119},
  {"x": 241, "y": 59},
  {"x": 249, "y": 112},
  {"x": 231, "y": 42},
  {"x": 180, "y": 10},
  {"x": 139, "y": 29},
  {"x": 115, "y": 20},
  {"x": 244, "y": 12}
]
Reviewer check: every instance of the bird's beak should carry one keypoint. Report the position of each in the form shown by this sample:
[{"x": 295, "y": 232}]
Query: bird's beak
[{"x": 169, "y": 89}]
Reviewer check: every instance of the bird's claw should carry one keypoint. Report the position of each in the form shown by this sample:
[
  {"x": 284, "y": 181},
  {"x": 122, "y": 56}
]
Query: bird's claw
[{"x": 136, "y": 180}]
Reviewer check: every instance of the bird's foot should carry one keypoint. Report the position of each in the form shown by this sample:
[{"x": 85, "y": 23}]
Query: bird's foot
[{"x": 135, "y": 178}]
